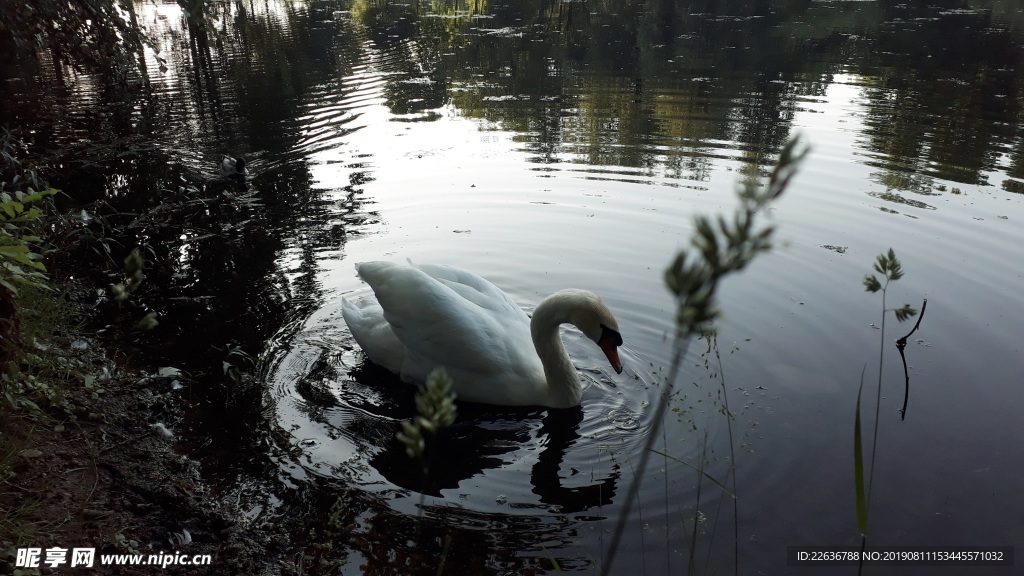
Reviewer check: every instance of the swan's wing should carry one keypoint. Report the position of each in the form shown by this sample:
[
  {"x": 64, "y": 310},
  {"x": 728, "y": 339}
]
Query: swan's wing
[
  {"x": 475, "y": 289},
  {"x": 447, "y": 317}
]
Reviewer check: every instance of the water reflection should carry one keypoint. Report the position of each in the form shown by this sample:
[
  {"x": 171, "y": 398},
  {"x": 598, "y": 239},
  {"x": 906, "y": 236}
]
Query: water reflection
[
  {"x": 570, "y": 146},
  {"x": 901, "y": 345},
  {"x": 481, "y": 442},
  {"x": 562, "y": 431}
]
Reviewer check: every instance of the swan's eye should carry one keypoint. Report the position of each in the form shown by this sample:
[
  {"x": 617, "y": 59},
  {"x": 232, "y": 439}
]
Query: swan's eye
[{"x": 609, "y": 334}]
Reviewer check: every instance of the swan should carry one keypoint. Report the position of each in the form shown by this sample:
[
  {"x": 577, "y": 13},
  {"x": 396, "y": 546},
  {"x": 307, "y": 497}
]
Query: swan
[
  {"x": 233, "y": 168},
  {"x": 424, "y": 316}
]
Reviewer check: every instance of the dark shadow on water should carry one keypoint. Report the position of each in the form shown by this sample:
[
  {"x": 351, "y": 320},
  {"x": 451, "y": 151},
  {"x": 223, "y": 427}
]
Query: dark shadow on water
[
  {"x": 488, "y": 437},
  {"x": 560, "y": 429}
]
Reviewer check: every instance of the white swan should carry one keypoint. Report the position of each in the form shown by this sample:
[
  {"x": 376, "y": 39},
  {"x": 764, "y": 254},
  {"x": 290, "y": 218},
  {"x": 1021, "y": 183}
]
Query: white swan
[{"x": 426, "y": 316}]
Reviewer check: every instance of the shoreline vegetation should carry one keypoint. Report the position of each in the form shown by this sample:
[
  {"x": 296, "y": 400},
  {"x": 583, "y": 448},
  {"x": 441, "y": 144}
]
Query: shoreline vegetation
[{"x": 86, "y": 459}]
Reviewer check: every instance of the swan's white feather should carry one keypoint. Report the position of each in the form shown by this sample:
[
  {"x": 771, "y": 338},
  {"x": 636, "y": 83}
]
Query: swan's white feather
[
  {"x": 366, "y": 318},
  {"x": 431, "y": 315}
]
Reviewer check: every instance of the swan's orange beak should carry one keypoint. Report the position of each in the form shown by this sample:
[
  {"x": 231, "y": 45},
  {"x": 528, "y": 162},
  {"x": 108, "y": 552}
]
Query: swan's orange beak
[{"x": 611, "y": 350}]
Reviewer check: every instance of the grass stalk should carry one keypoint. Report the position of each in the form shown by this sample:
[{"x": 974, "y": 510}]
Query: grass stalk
[
  {"x": 891, "y": 270},
  {"x": 718, "y": 248},
  {"x": 692, "y": 566},
  {"x": 732, "y": 463},
  {"x": 878, "y": 406}
]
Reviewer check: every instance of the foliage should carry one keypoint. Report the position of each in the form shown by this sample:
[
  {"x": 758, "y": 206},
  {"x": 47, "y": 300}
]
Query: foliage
[
  {"x": 435, "y": 407},
  {"x": 722, "y": 247},
  {"x": 133, "y": 265},
  {"x": 719, "y": 248},
  {"x": 20, "y": 197},
  {"x": 323, "y": 539},
  {"x": 52, "y": 361},
  {"x": 19, "y": 261},
  {"x": 85, "y": 34},
  {"x": 233, "y": 355},
  {"x": 891, "y": 269},
  {"x": 1015, "y": 186}
]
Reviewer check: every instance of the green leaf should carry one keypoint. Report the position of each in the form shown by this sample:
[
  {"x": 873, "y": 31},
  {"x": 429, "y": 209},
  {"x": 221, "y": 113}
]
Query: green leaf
[
  {"x": 25, "y": 280},
  {"x": 10, "y": 287},
  {"x": 15, "y": 269},
  {"x": 871, "y": 283},
  {"x": 27, "y": 260},
  {"x": 37, "y": 196},
  {"x": 881, "y": 265},
  {"x": 31, "y": 214},
  {"x": 905, "y": 312}
]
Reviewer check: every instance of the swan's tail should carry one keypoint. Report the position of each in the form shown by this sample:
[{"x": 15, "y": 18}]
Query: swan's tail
[{"x": 365, "y": 320}]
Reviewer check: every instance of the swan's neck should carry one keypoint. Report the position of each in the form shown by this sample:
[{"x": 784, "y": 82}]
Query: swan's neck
[{"x": 563, "y": 385}]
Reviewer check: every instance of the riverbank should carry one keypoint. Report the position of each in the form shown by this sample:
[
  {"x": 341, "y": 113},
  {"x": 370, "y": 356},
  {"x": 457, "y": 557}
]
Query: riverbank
[{"x": 88, "y": 460}]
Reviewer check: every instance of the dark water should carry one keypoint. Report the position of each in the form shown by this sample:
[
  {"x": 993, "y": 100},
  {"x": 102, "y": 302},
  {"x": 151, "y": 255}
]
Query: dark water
[{"x": 549, "y": 145}]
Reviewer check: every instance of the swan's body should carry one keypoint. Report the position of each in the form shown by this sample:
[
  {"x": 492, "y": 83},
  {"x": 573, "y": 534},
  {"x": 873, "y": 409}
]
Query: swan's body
[
  {"x": 428, "y": 316},
  {"x": 233, "y": 168}
]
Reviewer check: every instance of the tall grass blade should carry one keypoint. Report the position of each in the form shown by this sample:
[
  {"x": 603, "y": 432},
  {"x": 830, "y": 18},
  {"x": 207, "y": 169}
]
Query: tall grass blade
[
  {"x": 858, "y": 467},
  {"x": 701, "y": 470},
  {"x": 551, "y": 558}
]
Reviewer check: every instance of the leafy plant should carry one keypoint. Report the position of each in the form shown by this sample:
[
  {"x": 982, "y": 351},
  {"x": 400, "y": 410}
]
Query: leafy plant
[
  {"x": 891, "y": 270},
  {"x": 233, "y": 356},
  {"x": 85, "y": 34},
  {"x": 133, "y": 265},
  {"x": 435, "y": 408},
  {"x": 324, "y": 536},
  {"x": 719, "y": 247},
  {"x": 20, "y": 262},
  {"x": 435, "y": 411}
]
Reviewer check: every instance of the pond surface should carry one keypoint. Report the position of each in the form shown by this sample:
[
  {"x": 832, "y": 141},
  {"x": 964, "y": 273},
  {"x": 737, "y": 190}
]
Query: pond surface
[{"x": 568, "y": 145}]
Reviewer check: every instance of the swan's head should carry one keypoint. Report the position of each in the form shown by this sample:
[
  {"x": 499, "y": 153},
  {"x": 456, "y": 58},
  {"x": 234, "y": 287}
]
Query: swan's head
[{"x": 595, "y": 320}]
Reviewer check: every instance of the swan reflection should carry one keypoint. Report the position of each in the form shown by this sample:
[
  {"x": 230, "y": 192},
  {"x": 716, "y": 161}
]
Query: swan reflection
[{"x": 483, "y": 439}]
